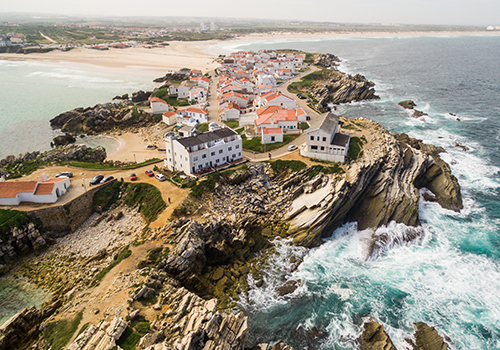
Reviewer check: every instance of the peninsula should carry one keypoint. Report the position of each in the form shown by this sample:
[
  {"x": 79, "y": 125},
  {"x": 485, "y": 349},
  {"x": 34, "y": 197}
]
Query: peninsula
[{"x": 251, "y": 152}]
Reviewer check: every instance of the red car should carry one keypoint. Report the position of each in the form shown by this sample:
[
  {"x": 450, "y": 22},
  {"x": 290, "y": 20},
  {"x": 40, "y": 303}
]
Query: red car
[
  {"x": 149, "y": 173},
  {"x": 133, "y": 177}
]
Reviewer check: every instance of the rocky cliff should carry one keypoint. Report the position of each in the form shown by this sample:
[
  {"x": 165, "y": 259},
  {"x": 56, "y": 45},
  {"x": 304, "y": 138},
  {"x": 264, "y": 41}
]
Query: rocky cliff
[{"x": 382, "y": 186}]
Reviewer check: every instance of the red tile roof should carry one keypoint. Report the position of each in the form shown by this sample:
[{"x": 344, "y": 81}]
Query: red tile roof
[
  {"x": 278, "y": 115},
  {"x": 272, "y": 131},
  {"x": 12, "y": 189},
  {"x": 44, "y": 188},
  {"x": 169, "y": 114},
  {"x": 157, "y": 99}
]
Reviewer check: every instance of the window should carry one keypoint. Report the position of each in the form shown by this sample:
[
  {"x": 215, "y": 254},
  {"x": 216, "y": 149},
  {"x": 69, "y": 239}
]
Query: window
[
  {"x": 314, "y": 147},
  {"x": 312, "y": 138},
  {"x": 272, "y": 138},
  {"x": 195, "y": 159},
  {"x": 212, "y": 154},
  {"x": 230, "y": 149},
  {"x": 220, "y": 151},
  {"x": 322, "y": 148},
  {"x": 217, "y": 161},
  {"x": 239, "y": 153},
  {"x": 318, "y": 138},
  {"x": 204, "y": 156},
  {"x": 168, "y": 151},
  {"x": 237, "y": 146},
  {"x": 223, "y": 159},
  {"x": 234, "y": 155},
  {"x": 324, "y": 139}
]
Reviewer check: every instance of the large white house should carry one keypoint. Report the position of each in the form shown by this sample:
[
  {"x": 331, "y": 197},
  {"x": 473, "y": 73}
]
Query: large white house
[
  {"x": 203, "y": 151},
  {"x": 274, "y": 99},
  {"x": 192, "y": 115},
  {"x": 48, "y": 191},
  {"x": 325, "y": 142}
]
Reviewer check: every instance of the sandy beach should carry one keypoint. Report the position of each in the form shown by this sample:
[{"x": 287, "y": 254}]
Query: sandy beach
[{"x": 196, "y": 54}]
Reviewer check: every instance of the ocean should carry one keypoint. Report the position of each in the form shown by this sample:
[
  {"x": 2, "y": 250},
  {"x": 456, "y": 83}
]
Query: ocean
[
  {"x": 33, "y": 92},
  {"x": 450, "y": 278}
]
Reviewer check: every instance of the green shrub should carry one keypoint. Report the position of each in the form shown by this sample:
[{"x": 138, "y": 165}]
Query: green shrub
[
  {"x": 59, "y": 333},
  {"x": 202, "y": 127},
  {"x": 294, "y": 165},
  {"x": 355, "y": 148},
  {"x": 129, "y": 339}
]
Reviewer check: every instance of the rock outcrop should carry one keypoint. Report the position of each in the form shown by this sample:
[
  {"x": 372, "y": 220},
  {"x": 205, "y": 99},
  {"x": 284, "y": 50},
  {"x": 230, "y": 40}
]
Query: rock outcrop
[
  {"x": 374, "y": 337},
  {"x": 343, "y": 88},
  {"x": 326, "y": 60},
  {"x": 409, "y": 104},
  {"x": 381, "y": 187},
  {"x": 23, "y": 329},
  {"x": 20, "y": 241},
  {"x": 171, "y": 77},
  {"x": 63, "y": 140},
  {"x": 13, "y": 166},
  {"x": 104, "y": 117}
]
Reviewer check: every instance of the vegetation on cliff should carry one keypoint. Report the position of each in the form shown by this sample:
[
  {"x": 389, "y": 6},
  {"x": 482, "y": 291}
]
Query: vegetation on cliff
[{"x": 146, "y": 197}]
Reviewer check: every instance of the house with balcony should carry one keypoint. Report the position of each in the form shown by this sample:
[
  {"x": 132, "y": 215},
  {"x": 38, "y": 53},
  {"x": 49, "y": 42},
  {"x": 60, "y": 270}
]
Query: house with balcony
[
  {"x": 326, "y": 142},
  {"x": 203, "y": 152}
]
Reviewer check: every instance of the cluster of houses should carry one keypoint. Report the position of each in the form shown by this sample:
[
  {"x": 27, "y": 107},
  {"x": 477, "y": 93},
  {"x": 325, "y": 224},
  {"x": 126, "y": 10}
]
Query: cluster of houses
[
  {"x": 11, "y": 39},
  {"x": 248, "y": 93}
]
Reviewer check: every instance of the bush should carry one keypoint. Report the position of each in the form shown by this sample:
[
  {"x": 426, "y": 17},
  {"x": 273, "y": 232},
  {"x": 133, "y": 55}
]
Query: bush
[
  {"x": 59, "y": 333},
  {"x": 294, "y": 165},
  {"x": 355, "y": 148}
]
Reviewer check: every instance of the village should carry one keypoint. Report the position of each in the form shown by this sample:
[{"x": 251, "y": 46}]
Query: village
[{"x": 219, "y": 120}]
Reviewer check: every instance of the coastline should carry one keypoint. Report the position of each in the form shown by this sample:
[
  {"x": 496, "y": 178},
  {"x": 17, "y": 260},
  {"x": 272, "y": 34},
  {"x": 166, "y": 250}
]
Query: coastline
[{"x": 200, "y": 54}]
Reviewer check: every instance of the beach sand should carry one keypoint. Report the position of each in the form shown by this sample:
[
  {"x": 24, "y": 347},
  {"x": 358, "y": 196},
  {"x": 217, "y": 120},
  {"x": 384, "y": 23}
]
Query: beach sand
[{"x": 195, "y": 54}]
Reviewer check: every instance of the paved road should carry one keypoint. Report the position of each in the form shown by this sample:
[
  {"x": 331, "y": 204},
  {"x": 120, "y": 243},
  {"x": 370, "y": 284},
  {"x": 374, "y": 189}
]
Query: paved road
[{"x": 213, "y": 109}]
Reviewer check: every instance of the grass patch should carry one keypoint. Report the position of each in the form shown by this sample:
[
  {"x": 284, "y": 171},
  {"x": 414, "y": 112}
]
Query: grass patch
[
  {"x": 303, "y": 126},
  {"x": 206, "y": 185},
  {"x": 129, "y": 339},
  {"x": 19, "y": 168},
  {"x": 293, "y": 165},
  {"x": 60, "y": 332},
  {"x": 11, "y": 218},
  {"x": 110, "y": 166},
  {"x": 125, "y": 253},
  {"x": 147, "y": 197},
  {"x": 308, "y": 80},
  {"x": 240, "y": 130},
  {"x": 334, "y": 169},
  {"x": 256, "y": 145},
  {"x": 355, "y": 148},
  {"x": 202, "y": 127},
  {"x": 232, "y": 123}
]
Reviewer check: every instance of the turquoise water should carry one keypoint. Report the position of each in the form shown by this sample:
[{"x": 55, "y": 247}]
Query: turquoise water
[
  {"x": 32, "y": 93},
  {"x": 449, "y": 278}
]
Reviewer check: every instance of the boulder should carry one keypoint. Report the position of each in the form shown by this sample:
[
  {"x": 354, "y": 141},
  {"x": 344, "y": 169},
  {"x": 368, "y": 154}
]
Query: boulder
[{"x": 374, "y": 337}]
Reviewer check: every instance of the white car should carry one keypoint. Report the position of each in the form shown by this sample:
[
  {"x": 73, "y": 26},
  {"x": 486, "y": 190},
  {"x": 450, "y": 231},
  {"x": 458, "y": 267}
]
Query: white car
[
  {"x": 292, "y": 148},
  {"x": 160, "y": 177}
]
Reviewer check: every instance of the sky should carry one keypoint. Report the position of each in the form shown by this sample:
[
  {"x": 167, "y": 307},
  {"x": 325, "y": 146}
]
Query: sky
[{"x": 449, "y": 12}]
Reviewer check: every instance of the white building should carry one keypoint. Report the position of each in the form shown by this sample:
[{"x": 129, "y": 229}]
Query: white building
[
  {"x": 229, "y": 111},
  {"x": 325, "y": 142},
  {"x": 13, "y": 193},
  {"x": 193, "y": 115},
  {"x": 271, "y": 135},
  {"x": 275, "y": 99},
  {"x": 203, "y": 151},
  {"x": 158, "y": 106},
  {"x": 170, "y": 118}
]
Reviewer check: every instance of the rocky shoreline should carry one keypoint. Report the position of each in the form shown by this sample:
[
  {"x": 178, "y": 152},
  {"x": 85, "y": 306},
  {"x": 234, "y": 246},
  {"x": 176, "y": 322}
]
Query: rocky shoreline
[{"x": 181, "y": 282}]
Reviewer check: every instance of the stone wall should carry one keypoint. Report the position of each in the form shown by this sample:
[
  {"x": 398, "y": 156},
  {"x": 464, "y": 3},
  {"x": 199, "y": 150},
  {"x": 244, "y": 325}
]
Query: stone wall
[{"x": 68, "y": 217}]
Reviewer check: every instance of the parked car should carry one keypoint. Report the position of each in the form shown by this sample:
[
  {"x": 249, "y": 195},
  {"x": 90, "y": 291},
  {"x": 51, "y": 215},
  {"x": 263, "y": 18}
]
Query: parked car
[
  {"x": 160, "y": 177},
  {"x": 107, "y": 179},
  {"x": 133, "y": 177},
  {"x": 65, "y": 174},
  {"x": 149, "y": 173},
  {"x": 302, "y": 97},
  {"x": 292, "y": 148},
  {"x": 151, "y": 147},
  {"x": 96, "y": 179},
  {"x": 308, "y": 101},
  {"x": 208, "y": 104}
]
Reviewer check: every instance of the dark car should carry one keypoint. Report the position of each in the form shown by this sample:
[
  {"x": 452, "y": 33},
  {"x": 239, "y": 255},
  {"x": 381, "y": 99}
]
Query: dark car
[
  {"x": 65, "y": 174},
  {"x": 97, "y": 179},
  {"x": 149, "y": 173},
  {"x": 133, "y": 177},
  {"x": 107, "y": 179}
]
